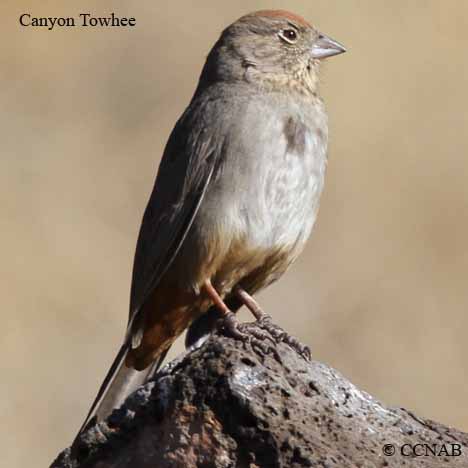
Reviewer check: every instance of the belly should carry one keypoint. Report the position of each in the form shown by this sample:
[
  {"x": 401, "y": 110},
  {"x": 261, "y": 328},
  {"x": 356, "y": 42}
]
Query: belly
[
  {"x": 252, "y": 236},
  {"x": 261, "y": 205}
]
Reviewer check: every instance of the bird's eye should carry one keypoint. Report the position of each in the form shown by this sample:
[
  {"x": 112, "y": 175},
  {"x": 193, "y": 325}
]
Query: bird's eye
[{"x": 289, "y": 35}]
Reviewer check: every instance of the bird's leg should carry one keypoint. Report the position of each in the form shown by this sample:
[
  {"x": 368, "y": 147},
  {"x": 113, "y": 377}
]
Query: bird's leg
[
  {"x": 261, "y": 316},
  {"x": 231, "y": 326},
  {"x": 229, "y": 320},
  {"x": 251, "y": 304},
  {"x": 266, "y": 323}
]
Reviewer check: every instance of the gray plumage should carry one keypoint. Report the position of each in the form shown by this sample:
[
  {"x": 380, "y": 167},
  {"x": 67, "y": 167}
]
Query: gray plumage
[{"x": 237, "y": 191}]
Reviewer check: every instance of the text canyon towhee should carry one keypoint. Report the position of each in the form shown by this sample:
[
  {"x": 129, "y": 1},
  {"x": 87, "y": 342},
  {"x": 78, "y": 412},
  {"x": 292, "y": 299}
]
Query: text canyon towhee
[{"x": 236, "y": 194}]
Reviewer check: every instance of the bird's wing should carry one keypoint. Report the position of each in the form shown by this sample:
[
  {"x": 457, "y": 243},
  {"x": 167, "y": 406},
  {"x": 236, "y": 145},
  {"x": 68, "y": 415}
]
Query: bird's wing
[
  {"x": 185, "y": 171},
  {"x": 188, "y": 163}
]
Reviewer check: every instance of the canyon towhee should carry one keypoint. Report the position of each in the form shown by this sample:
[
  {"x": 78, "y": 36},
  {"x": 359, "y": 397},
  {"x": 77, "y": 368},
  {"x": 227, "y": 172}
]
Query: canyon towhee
[{"x": 236, "y": 195}]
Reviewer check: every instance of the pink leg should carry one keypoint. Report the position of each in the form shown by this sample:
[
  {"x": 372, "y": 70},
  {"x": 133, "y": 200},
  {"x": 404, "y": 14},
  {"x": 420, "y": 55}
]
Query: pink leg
[{"x": 229, "y": 323}]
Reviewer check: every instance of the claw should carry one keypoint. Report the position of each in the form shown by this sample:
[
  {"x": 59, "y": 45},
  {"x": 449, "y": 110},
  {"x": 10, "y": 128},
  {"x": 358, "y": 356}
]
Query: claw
[
  {"x": 257, "y": 333},
  {"x": 281, "y": 336},
  {"x": 294, "y": 343},
  {"x": 230, "y": 326}
]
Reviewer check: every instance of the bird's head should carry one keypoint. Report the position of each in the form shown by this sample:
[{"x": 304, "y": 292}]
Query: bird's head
[{"x": 273, "y": 48}]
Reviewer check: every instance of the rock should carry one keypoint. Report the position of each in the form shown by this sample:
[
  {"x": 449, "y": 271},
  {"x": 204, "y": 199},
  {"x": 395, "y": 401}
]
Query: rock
[{"x": 228, "y": 404}]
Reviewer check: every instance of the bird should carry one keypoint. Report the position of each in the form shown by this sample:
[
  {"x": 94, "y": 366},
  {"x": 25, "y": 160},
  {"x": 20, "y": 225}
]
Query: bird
[{"x": 235, "y": 197}]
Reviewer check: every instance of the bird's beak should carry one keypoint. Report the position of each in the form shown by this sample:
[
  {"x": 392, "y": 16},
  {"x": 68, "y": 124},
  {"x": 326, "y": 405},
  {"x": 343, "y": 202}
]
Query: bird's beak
[{"x": 325, "y": 47}]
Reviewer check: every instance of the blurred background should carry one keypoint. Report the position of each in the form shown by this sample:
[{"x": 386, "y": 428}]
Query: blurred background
[{"x": 380, "y": 293}]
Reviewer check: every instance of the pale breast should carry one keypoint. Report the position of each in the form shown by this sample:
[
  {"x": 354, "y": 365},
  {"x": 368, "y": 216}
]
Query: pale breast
[{"x": 261, "y": 206}]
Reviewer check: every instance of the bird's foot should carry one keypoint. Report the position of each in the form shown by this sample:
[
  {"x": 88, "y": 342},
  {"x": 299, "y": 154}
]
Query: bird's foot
[
  {"x": 281, "y": 336},
  {"x": 249, "y": 333},
  {"x": 263, "y": 335},
  {"x": 230, "y": 326},
  {"x": 265, "y": 323}
]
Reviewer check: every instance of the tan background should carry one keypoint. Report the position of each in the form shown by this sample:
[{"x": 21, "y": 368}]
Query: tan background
[{"x": 380, "y": 292}]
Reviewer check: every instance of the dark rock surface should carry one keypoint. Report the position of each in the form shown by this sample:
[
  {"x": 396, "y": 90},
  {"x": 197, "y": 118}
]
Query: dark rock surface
[{"x": 229, "y": 405}]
